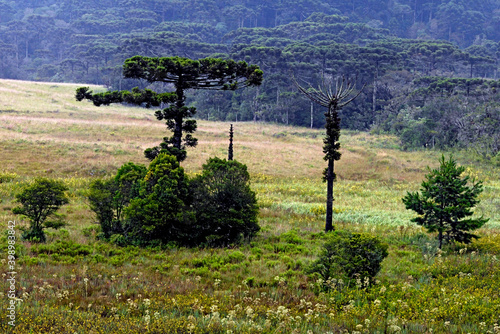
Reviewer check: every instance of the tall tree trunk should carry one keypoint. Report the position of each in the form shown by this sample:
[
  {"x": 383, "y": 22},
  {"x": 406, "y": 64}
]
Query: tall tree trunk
[
  {"x": 312, "y": 114},
  {"x": 334, "y": 100},
  {"x": 230, "y": 150},
  {"x": 415, "y": 12},
  {"x": 329, "y": 196},
  {"x": 440, "y": 237},
  {"x": 17, "y": 53}
]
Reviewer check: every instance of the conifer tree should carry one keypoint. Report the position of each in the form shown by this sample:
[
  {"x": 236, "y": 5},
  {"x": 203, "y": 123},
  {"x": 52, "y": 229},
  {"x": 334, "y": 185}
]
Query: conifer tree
[
  {"x": 184, "y": 74},
  {"x": 445, "y": 203},
  {"x": 334, "y": 100},
  {"x": 230, "y": 150}
]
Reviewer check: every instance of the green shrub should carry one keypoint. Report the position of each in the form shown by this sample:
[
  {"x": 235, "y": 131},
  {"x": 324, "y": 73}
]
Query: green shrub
[
  {"x": 161, "y": 212},
  {"x": 486, "y": 244},
  {"x": 39, "y": 201},
  {"x": 91, "y": 230},
  {"x": 349, "y": 256},
  {"x": 445, "y": 203},
  {"x": 119, "y": 239},
  {"x": 160, "y": 206},
  {"x": 225, "y": 206},
  {"x": 235, "y": 257},
  {"x": 291, "y": 237},
  {"x": 108, "y": 198},
  {"x": 7, "y": 176},
  {"x": 63, "y": 247}
]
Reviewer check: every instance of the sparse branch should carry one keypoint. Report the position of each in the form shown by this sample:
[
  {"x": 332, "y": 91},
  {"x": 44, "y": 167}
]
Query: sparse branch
[{"x": 334, "y": 100}]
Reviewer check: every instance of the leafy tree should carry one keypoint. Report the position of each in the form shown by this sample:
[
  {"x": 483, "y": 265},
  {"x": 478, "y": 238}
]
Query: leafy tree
[
  {"x": 184, "y": 74},
  {"x": 39, "y": 201},
  {"x": 445, "y": 203},
  {"x": 101, "y": 201},
  {"x": 429, "y": 56},
  {"x": 226, "y": 208},
  {"x": 334, "y": 100}
]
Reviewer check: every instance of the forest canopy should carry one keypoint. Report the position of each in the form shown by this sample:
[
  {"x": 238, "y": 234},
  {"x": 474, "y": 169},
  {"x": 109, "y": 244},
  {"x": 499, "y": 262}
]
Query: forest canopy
[{"x": 417, "y": 58}]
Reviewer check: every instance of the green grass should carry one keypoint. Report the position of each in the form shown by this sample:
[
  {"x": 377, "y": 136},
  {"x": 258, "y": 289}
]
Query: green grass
[{"x": 76, "y": 284}]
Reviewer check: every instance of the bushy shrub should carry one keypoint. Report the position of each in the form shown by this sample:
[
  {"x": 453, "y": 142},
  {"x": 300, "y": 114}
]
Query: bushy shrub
[
  {"x": 225, "y": 206},
  {"x": 109, "y": 198},
  {"x": 349, "y": 256},
  {"x": 39, "y": 201},
  {"x": 161, "y": 211},
  {"x": 161, "y": 205}
]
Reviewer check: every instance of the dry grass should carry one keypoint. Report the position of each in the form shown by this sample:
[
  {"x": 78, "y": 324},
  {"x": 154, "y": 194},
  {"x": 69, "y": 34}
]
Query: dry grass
[{"x": 38, "y": 116}]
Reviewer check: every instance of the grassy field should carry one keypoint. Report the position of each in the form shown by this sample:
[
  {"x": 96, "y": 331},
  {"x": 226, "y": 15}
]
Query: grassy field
[{"x": 76, "y": 284}]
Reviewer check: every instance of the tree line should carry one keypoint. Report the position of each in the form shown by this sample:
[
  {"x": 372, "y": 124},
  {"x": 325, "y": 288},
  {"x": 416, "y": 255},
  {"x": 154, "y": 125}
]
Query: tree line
[{"x": 392, "y": 47}]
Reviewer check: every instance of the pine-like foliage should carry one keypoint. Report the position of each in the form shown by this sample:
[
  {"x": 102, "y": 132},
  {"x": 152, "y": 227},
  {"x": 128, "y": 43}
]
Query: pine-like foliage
[
  {"x": 183, "y": 74},
  {"x": 445, "y": 203},
  {"x": 230, "y": 150},
  {"x": 334, "y": 99}
]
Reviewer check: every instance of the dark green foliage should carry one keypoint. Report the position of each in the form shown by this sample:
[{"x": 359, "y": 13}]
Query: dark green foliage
[
  {"x": 39, "y": 201},
  {"x": 101, "y": 201},
  {"x": 230, "y": 149},
  {"x": 226, "y": 208},
  {"x": 161, "y": 209},
  {"x": 445, "y": 203},
  {"x": 185, "y": 73},
  {"x": 350, "y": 256},
  {"x": 136, "y": 96},
  {"x": 389, "y": 45},
  {"x": 161, "y": 205},
  {"x": 109, "y": 198},
  {"x": 63, "y": 247}
]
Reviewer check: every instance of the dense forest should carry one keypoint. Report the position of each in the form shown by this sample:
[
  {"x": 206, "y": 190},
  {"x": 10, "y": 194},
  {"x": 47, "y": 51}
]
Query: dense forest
[{"x": 430, "y": 67}]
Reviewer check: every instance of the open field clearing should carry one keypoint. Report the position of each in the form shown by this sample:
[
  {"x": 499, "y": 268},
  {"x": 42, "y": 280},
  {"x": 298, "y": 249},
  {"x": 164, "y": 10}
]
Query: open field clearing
[{"x": 77, "y": 284}]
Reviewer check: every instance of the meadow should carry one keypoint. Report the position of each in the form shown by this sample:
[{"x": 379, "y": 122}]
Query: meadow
[{"x": 77, "y": 284}]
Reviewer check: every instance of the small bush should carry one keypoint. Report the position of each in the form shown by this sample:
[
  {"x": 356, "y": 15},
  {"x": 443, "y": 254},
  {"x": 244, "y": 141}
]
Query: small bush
[
  {"x": 291, "y": 237},
  {"x": 7, "y": 177},
  {"x": 486, "y": 244},
  {"x": 160, "y": 206},
  {"x": 349, "y": 256},
  {"x": 62, "y": 247}
]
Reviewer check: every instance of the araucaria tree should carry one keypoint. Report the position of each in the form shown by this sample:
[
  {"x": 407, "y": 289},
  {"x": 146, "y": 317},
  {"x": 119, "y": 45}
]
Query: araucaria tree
[
  {"x": 445, "y": 203},
  {"x": 183, "y": 74},
  {"x": 230, "y": 149},
  {"x": 334, "y": 99}
]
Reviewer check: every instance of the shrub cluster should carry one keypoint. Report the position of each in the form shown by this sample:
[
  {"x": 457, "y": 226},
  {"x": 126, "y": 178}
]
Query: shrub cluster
[
  {"x": 350, "y": 256},
  {"x": 161, "y": 205}
]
